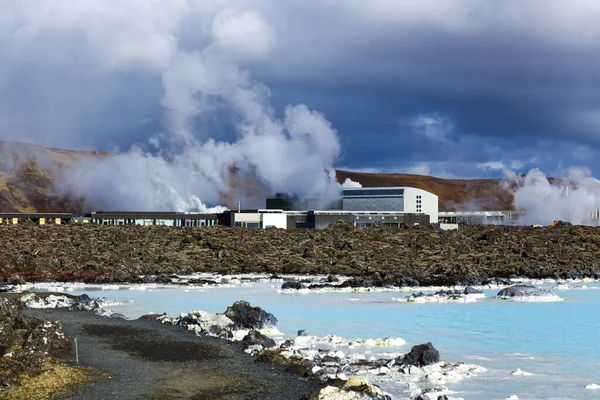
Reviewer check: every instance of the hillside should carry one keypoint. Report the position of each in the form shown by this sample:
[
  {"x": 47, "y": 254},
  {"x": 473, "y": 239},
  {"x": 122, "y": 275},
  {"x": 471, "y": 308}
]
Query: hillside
[
  {"x": 29, "y": 183},
  {"x": 28, "y": 178}
]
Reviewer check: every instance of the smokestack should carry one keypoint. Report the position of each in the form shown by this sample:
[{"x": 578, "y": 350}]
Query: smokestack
[{"x": 239, "y": 206}]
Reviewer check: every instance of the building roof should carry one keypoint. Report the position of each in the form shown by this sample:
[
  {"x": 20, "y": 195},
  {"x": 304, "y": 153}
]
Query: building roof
[
  {"x": 35, "y": 215},
  {"x": 149, "y": 215}
]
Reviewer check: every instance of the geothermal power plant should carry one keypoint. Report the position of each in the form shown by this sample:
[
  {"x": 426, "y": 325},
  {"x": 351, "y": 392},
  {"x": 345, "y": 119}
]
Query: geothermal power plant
[{"x": 363, "y": 207}]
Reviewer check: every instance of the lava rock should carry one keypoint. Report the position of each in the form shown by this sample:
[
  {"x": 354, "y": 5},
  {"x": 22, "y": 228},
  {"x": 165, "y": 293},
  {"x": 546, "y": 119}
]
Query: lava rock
[
  {"x": 358, "y": 283},
  {"x": 291, "y": 285},
  {"x": 421, "y": 355},
  {"x": 152, "y": 317},
  {"x": 209, "y": 282},
  {"x": 246, "y": 316},
  {"x": 524, "y": 291},
  {"x": 30, "y": 340},
  {"x": 471, "y": 290},
  {"x": 294, "y": 364},
  {"x": 254, "y": 337},
  {"x": 404, "y": 282}
]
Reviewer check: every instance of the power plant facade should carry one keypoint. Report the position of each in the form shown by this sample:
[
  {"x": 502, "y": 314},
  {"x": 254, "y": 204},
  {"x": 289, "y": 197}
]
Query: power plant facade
[
  {"x": 363, "y": 207},
  {"x": 398, "y": 199}
]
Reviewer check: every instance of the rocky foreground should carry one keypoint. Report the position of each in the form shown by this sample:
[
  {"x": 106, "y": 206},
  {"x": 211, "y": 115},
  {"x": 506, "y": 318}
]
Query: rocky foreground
[
  {"x": 29, "y": 347},
  {"x": 387, "y": 256}
]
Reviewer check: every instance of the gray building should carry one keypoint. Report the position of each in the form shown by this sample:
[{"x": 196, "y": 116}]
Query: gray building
[{"x": 398, "y": 199}]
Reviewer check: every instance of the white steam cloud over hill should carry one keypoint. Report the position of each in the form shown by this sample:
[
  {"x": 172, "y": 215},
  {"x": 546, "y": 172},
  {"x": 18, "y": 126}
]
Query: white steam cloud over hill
[
  {"x": 574, "y": 197},
  {"x": 202, "y": 78}
]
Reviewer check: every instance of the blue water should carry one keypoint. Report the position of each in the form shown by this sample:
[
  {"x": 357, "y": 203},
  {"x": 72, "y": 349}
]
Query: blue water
[{"x": 556, "y": 341}]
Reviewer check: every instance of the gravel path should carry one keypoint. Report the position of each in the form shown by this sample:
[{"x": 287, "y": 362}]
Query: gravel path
[{"x": 149, "y": 360}]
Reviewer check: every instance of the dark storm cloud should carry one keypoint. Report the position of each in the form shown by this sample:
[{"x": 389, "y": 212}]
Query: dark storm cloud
[
  {"x": 440, "y": 86},
  {"x": 508, "y": 76}
]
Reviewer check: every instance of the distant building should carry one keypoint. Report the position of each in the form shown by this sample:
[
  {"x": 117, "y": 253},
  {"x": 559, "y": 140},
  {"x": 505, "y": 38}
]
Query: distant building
[
  {"x": 35, "y": 218},
  {"x": 254, "y": 219},
  {"x": 143, "y": 218},
  {"x": 281, "y": 201},
  {"x": 399, "y": 199},
  {"x": 480, "y": 217}
]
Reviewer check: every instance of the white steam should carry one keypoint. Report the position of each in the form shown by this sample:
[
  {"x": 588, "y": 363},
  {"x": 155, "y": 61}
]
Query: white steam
[
  {"x": 203, "y": 80},
  {"x": 349, "y": 184},
  {"x": 574, "y": 197}
]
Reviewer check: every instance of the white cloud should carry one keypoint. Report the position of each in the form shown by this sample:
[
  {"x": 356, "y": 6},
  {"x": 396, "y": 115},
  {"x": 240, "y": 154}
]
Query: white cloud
[
  {"x": 434, "y": 126},
  {"x": 246, "y": 33},
  {"x": 419, "y": 169}
]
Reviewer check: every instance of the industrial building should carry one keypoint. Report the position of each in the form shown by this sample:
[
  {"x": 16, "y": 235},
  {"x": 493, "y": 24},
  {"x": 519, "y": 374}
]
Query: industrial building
[
  {"x": 360, "y": 219},
  {"x": 480, "y": 217},
  {"x": 36, "y": 218},
  {"x": 398, "y": 199},
  {"x": 314, "y": 219},
  {"x": 262, "y": 218},
  {"x": 363, "y": 207},
  {"x": 153, "y": 218}
]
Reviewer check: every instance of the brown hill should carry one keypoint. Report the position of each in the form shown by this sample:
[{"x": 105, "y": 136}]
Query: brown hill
[
  {"x": 454, "y": 194},
  {"x": 29, "y": 174},
  {"x": 28, "y": 178}
]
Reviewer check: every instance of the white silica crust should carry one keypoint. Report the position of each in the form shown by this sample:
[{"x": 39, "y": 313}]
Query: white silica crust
[
  {"x": 520, "y": 372},
  {"x": 336, "y": 358},
  {"x": 309, "y": 341},
  {"x": 436, "y": 298},
  {"x": 31, "y": 300},
  {"x": 539, "y": 299},
  {"x": 592, "y": 386}
]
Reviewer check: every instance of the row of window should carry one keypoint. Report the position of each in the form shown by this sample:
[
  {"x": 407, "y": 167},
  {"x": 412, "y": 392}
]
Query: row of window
[
  {"x": 373, "y": 192},
  {"x": 254, "y": 225}
]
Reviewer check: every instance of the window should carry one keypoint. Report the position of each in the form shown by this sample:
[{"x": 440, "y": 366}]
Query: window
[
  {"x": 373, "y": 192},
  {"x": 238, "y": 224}
]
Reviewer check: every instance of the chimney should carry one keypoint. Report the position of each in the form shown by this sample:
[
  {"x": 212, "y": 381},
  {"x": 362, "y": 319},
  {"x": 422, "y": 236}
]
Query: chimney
[{"x": 239, "y": 206}]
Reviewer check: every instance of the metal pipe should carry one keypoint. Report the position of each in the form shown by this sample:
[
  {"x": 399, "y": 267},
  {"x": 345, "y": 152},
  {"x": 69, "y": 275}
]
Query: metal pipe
[{"x": 76, "y": 352}]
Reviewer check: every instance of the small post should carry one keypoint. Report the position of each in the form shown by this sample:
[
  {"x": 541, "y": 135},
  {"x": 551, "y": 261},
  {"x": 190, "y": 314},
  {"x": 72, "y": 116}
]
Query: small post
[{"x": 76, "y": 352}]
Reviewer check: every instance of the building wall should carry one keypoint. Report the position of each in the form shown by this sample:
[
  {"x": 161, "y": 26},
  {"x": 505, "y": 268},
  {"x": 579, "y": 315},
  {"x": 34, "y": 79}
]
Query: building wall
[
  {"x": 274, "y": 220},
  {"x": 412, "y": 200},
  {"x": 323, "y": 221},
  {"x": 248, "y": 220},
  {"x": 421, "y": 201},
  {"x": 448, "y": 227},
  {"x": 373, "y": 204}
]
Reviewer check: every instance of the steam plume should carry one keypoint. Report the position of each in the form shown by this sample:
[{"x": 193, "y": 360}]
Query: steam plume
[
  {"x": 574, "y": 197},
  {"x": 202, "y": 79}
]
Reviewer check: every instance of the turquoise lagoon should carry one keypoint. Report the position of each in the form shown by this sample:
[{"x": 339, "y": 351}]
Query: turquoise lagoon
[{"x": 558, "y": 342}]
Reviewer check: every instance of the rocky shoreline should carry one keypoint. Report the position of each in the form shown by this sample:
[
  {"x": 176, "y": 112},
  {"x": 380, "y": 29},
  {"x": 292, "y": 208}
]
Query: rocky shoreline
[
  {"x": 409, "y": 256},
  {"x": 133, "y": 357}
]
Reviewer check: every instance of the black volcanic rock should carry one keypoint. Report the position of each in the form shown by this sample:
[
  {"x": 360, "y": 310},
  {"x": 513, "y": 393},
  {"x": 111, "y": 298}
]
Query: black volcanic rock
[
  {"x": 524, "y": 291},
  {"x": 421, "y": 355},
  {"x": 254, "y": 337},
  {"x": 246, "y": 316}
]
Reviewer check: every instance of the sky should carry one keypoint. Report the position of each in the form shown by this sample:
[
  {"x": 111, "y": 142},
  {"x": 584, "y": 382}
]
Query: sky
[{"x": 452, "y": 88}]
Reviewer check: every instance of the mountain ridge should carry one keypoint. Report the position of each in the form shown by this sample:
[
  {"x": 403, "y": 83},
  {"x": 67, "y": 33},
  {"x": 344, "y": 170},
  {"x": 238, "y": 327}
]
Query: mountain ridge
[{"x": 29, "y": 182}]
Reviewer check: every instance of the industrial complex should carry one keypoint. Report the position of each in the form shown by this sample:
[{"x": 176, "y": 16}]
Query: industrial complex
[{"x": 363, "y": 207}]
